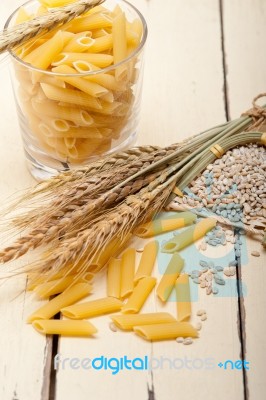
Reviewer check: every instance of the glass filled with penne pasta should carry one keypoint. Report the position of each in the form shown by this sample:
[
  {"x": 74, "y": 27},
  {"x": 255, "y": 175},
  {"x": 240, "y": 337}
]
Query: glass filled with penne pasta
[{"x": 78, "y": 86}]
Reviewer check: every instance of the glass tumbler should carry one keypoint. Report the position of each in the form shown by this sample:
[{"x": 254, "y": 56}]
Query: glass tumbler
[{"x": 78, "y": 87}]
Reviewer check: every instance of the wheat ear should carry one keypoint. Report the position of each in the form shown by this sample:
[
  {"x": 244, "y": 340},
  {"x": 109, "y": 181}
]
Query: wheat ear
[{"x": 19, "y": 34}]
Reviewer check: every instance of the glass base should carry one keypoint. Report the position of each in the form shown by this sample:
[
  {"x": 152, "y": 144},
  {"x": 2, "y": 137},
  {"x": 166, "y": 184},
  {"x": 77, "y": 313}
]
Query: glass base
[{"x": 46, "y": 167}]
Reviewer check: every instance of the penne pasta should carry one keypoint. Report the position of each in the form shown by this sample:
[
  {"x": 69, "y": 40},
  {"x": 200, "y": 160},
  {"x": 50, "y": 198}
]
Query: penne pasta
[
  {"x": 159, "y": 226},
  {"x": 183, "y": 301},
  {"x": 100, "y": 60},
  {"x": 71, "y": 96},
  {"x": 64, "y": 328},
  {"x": 55, "y": 3},
  {"x": 127, "y": 272},
  {"x": 84, "y": 85},
  {"x": 189, "y": 236},
  {"x": 166, "y": 331},
  {"x": 114, "y": 278},
  {"x": 120, "y": 45},
  {"x": 43, "y": 56},
  {"x": 68, "y": 297},
  {"x": 37, "y": 77},
  {"x": 108, "y": 97},
  {"x": 88, "y": 23},
  {"x": 79, "y": 43},
  {"x": 169, "y": 277},
  {"x": 48, "y": 289},
  {"x": 128, "y": 321},
  {"x": 97, "y": 33},
  {"x": 92, "y": 308},
  {"x": 139, "y": 295},
  {"x": 107, "y": 81},
  {"x": 102, "y": 43},
  {"x": 51, "y": 109},
  {"x": 147, "y": 261}
]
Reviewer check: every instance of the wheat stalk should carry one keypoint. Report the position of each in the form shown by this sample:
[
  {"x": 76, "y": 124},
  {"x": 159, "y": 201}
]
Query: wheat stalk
[{"x": 19, "y": 34}]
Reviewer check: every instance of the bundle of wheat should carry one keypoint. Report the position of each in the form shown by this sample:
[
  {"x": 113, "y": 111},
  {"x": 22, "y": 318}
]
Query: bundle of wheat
[{"x": 77, "y": 214}]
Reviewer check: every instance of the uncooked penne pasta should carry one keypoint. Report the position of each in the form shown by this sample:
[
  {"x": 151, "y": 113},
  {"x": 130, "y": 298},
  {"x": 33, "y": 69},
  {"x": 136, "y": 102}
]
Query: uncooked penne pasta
[
  {"x": 42, "y": 78},
  {"x": 92, "y": 308},
  {"x": 128, "y": 321},
  {"x": 101, "y": 44},
  {"x": 169, "y": 277},
  {"x": 114, "y": 278},
  {"x": 106, "y": 80},
  {"x": 51, "y": 109},
  {"x": 139, "y": 295},
  {"x": 120, "y": 45},
  {"x": 189, "y": 236},
  {"x": 100, "y": 60},
  {"x": 183, "y": 301},
  {"x": 147, "y": 261},
  {"x": 97, "y": 33},
  {"x": 48, "y": 289},
  {"x": 166, "y": 331},
  {"x": 79, "y": 43},
  {"x": 74, "y": 97},
  {"x": 159, "y": 226},
  {"x": 64, "y": 328},
  {"x": 90, "y": 22},
  {"x": 55, "y": 3},
  {"x": 68, "y": 297},
  {"x": 43, "y": 56},
  {"x": 84, "y": 85},
  {"x": 127, "y": 272}
]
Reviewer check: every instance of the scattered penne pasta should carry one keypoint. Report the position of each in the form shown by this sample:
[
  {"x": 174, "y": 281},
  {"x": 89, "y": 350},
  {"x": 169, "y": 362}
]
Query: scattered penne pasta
[
  {"x": 159, "y": 226},
  {"x": 68, "y": 297},
  {"x": 166, "y": 331},
  {"x": 128, "y": 321},
  {"x": 127, "y": 272},
  {"x": 189, "y": 236},
  {"x": 183, "y": 301},
  {"x": 92, "y": 308},
  {"x": 169, "y": 277},
  {"x": 147, "y": 261},
  {"x": 114, "y": 278},
  {"x": 64, "y": 328},
  {"x": 139, "y": 295}
]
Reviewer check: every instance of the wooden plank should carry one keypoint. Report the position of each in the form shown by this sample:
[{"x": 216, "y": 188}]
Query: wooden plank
[
  {"x": 25, "y": 356},
  {"x": 218, "y": 342},
  {"x": 183, "y": 80},
  {"x": 246, "y": 79},
  {"x": 244, "y": 36},
  {"x": 253, "y": 302}
]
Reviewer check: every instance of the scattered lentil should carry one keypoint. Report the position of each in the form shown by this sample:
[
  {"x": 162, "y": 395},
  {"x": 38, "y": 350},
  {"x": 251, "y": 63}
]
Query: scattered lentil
[
  {"x": 201, "y": 312},
  {"x": 112, "y": 327},
  {"x": 188, "y": 341},
  {"x": 180, "y": 340},
  {"x": 255, "y": 253},
  {"x": 198, "y": 326}
]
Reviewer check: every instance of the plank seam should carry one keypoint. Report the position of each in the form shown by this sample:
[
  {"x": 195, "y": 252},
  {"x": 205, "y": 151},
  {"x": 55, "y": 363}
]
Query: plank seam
[
  {"x": 225, "y": 69},
  {"x": 241, "y": 322}
]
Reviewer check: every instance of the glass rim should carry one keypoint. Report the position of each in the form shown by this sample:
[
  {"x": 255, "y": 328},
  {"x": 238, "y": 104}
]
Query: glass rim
[{"x": 89, "y": 73}]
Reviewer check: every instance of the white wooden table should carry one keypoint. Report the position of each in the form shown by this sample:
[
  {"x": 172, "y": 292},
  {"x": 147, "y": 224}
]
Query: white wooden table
[{"x": 205, "y": 62}]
